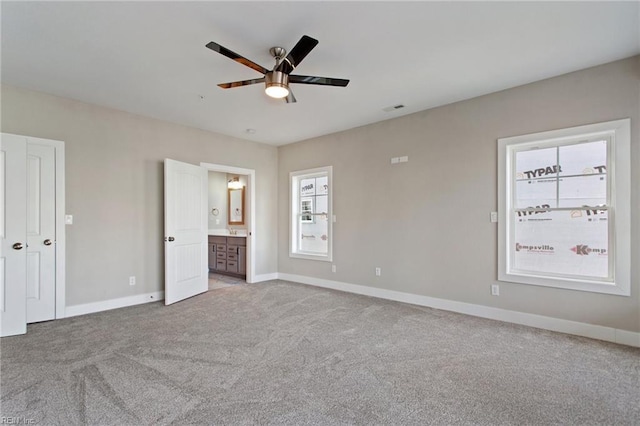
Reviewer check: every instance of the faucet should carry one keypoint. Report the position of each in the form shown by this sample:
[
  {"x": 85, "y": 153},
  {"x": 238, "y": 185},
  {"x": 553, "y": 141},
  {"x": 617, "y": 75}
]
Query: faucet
[{"x": 232, "y": 231}]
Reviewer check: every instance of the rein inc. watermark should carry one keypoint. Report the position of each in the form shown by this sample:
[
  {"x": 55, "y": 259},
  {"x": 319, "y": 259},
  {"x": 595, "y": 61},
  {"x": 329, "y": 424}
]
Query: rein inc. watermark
[{"x": 16, "y": 420}]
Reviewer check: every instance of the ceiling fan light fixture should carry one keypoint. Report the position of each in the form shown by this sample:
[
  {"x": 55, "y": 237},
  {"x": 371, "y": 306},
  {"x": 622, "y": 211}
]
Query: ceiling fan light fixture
[{"x": 277, "y": 84}]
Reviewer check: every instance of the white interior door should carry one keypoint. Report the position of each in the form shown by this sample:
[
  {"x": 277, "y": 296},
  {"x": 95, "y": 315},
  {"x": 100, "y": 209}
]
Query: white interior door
[
  {"x": 13, "y": 224},
  {"x": 185, "y": 225},
  {"x": 41, "y": 237}
]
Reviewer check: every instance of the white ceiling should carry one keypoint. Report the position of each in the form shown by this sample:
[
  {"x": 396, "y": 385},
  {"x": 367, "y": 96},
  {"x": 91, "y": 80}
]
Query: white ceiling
[{"x": 150, "y": 58}]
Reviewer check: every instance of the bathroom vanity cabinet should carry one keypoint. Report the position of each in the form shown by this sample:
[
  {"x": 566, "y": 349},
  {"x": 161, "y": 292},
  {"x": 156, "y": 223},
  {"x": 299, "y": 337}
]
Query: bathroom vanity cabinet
[{"x": 228, "y": 255}]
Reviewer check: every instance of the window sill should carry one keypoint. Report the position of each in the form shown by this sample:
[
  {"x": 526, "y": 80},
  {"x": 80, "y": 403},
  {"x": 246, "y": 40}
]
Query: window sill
[
  {"x": 604, "y": 287},
  {"x": 319, "y": 257}
]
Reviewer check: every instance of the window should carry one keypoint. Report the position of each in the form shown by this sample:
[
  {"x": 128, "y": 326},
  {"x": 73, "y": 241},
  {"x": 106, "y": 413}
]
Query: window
[
  {"x": 564, "y": 208},
  {"x": 311, "y": 230}
]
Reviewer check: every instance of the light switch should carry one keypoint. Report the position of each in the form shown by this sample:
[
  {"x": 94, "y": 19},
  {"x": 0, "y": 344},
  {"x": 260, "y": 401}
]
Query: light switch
[
  {"x": 493, "y": 217},
  {"x": 68, "y": 219}
]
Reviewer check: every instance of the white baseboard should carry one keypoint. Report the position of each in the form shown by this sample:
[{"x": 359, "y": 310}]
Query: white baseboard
[
  {"x": 599, "y": 332},
  {"x": 629, "y": 338},
  {"x": 89, "y": 308},
  {"x": 265, "y": 277}
]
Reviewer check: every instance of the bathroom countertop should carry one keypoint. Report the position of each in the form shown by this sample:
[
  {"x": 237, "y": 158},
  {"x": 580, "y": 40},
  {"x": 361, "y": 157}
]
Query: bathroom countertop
[{"x": 226, "y": 233}]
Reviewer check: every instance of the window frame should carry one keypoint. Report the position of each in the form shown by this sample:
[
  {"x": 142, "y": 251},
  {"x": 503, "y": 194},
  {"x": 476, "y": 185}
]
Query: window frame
[
  {"x": 295, "y": 203},
  {"x": 617, "y": 133}
]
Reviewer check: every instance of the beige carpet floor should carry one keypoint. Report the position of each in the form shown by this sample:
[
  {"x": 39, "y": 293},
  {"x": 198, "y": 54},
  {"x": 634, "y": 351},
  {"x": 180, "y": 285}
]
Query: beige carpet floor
[{"x": 283, "y": 353}]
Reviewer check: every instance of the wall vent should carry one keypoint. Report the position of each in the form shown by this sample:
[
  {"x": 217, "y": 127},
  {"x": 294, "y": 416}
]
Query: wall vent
[{"x": 393, "y": 108}]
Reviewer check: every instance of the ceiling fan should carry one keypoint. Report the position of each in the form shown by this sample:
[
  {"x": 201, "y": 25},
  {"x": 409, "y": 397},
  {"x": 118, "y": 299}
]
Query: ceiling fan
[{"x": 277, "y": 80}]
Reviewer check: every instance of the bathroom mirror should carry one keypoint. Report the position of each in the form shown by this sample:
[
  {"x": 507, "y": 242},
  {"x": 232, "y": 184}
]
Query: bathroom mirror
[{"x": 236, "y": 206}]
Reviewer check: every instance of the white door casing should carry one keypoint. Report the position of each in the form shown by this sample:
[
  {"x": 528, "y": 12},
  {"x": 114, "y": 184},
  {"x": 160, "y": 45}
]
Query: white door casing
[
  {"x": 13, "y": 224},
  {"x": 41, "y": 233},
  {"x": 185, "y": 221}
]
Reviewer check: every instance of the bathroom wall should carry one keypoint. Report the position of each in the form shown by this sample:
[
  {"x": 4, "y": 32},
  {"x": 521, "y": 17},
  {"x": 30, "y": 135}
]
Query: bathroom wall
[{"x": 218, "y": 200}]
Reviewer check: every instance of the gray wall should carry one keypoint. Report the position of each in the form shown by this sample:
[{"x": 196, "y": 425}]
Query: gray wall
[
  {"x": 426, "y": 222},
  {"x": 114, "y": 188}
]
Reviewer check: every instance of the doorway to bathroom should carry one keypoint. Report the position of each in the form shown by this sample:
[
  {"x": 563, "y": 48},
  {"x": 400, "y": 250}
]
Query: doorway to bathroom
[{"x": 232, "y": 213}]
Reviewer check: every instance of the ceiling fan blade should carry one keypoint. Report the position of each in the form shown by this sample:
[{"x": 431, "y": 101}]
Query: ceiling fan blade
[
  {"x": 297, "y": 54},
  {"x": 290, "y": 99},
  {"x": 238, "y": 58},
  {"x": 322, "y": 81},
  {"x": 241, "y": 83}
]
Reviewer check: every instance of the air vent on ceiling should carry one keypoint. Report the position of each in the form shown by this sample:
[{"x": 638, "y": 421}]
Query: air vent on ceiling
[{"x": 393, "y": 108}]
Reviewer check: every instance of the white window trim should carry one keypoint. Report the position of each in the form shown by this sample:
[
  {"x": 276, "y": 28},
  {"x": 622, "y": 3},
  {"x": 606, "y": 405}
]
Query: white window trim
[
  {"x": 620, "y": 198},
  {"x": 294, "y": 202}
]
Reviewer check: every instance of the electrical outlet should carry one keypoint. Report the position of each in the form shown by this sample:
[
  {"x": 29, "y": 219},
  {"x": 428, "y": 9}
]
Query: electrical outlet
[
  {"x": 333, "y": 268},
  {"x": 68, "y": 219},
  {"x": 378, "y": 272},
  {"x": 132, "y": 280},
  {"x": 493, "y": 217},
  {"x": 495, "y": 290}
]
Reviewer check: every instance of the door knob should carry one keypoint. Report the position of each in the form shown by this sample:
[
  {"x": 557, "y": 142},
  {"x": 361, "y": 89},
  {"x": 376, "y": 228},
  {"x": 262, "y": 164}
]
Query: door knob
[
  {"x": 17, "y": 246},
  {"x": 47, "y": 242},
  {"x": 170, "y": 239}
]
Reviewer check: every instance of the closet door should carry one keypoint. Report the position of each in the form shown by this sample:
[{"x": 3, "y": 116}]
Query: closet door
[
  {"x": 13, "y": 231},
  {"x": 41, "y": 235}
]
